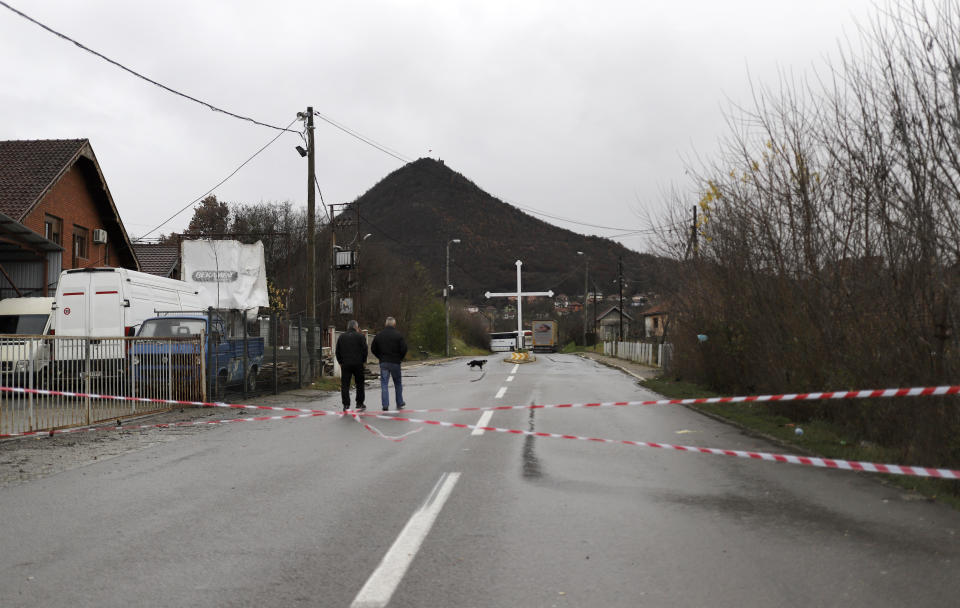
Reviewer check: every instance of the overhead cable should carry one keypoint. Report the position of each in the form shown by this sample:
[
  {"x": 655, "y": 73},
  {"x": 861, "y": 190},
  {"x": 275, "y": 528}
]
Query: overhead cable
[
  {"x": 365, "y": 140},
  {"x": 137, "y": 74},
  {"x": 221, "y": 182}
]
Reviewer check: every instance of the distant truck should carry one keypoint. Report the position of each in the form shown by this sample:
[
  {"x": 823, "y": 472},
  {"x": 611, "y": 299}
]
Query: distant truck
[
  {"x": 230, "y": 360},
  {"x": 545, "y": 336}
]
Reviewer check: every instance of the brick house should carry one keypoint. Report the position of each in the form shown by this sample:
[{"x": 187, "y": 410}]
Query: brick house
[{"x": 55, "y": 190}]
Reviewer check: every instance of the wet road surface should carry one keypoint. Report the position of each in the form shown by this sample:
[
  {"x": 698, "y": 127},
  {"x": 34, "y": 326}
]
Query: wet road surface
[{"x": 321, "y": 512}]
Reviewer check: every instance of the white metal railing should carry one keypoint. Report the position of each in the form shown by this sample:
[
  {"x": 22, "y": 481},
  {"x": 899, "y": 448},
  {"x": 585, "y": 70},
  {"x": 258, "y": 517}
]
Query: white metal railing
[
  {"x": 654, "y": 355},
  {"x": 156, "y": 368}
]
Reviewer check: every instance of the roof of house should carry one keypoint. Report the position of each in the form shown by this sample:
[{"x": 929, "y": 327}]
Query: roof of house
[
  {"x": 659, "y": 308},
  {"x": 156, "y": 258},
  {"x": 606, "y": 312},
  {"x": 29, "y": 168}
]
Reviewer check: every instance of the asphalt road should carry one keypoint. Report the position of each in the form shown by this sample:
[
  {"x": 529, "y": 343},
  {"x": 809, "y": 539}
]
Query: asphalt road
[{"x": 322, "y": 512}]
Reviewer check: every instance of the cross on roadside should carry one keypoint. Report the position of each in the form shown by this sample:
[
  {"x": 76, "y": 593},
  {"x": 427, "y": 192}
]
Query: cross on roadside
[{"x": 519, "y": 295}]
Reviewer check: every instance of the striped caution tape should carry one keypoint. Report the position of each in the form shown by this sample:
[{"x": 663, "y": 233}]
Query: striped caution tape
[
  {"x": 929, "y": 391},
  {"x": 829, "y": 463},
  {"x": 892, "y": 469}
]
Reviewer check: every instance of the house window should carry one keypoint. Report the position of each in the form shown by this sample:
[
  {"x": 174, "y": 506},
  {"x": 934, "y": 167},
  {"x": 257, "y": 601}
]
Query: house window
[
  {"x": 80, "y": 240},
  {"x": 53, "y": 228}
]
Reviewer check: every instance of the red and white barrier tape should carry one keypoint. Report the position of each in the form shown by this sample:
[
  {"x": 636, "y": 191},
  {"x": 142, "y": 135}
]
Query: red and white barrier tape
[
  {"x": 377, "y": 432},
  {"x": 829, "y": 463},
  {"x": 871, "y": 467},
  {"x": 929, "y": 391}
]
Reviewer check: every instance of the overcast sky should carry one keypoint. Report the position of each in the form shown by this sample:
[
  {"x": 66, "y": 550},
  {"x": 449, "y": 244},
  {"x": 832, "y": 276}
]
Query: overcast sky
[{"x": 583, "y": 110}]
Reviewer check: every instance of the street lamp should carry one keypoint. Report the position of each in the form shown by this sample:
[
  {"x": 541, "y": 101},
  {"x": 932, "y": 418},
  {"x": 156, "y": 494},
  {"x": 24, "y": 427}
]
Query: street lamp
[{"x": 447, "y": 288}]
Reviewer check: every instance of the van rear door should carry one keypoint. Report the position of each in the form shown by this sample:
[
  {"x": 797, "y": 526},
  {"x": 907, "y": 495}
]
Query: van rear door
[{"x": 72, "y": 309}]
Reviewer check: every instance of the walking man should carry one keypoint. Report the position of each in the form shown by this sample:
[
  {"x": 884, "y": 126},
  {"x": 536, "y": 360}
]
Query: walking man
[
  {"x": 352, "y": 357},
  {"x": 390, "y": 347}
]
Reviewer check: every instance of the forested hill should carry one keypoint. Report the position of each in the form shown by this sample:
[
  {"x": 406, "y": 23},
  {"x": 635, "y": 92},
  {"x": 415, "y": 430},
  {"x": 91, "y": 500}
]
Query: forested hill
[{"x": 414, "y": 211}]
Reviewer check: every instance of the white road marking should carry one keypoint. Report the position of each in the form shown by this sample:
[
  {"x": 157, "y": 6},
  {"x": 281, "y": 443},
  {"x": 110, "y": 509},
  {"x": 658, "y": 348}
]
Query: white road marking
[
  {"x": 484, "y": 421},
  {"x": 516, "y": 366},
  {"x": 509, "y": 378},
  {"x": 379, "y": 588},
  {"x": 500, "y": 393}
]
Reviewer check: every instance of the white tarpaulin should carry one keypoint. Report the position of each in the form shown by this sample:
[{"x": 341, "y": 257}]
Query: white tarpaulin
[{"x": 228, "y": 274}]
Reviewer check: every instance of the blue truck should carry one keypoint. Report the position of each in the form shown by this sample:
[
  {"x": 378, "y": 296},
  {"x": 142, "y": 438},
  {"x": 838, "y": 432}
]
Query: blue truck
[{"x": 167, "y": 360}]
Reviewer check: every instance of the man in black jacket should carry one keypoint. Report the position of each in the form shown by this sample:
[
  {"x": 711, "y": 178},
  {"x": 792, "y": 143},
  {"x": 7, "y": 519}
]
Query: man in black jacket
[
  {"x": 390, "y": 347},
  {"x": 352, "y": 357}
]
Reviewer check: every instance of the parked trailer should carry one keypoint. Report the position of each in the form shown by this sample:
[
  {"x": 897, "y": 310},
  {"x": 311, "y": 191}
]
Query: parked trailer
[{"x": 545, "y": 336}]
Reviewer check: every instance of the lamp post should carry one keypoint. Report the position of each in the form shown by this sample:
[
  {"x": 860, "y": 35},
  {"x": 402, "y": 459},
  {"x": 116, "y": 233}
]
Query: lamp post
[{"x": 447, "y": 288}]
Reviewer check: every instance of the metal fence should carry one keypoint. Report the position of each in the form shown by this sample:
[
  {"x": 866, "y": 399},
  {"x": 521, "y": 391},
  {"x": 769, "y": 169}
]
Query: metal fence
[
  {"x": 156, "y": 368},
  {"x": 286, "y": 358},
  {"x": 654, "y": 355}
]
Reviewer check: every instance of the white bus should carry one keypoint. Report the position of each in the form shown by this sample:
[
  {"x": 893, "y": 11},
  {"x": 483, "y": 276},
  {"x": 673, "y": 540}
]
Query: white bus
[{"x": 506, "y": 341}]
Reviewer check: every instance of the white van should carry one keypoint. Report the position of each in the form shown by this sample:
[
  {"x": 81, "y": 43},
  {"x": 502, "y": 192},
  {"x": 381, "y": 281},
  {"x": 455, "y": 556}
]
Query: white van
[
  {"x": 19, "y": 354},
  {"x": 110, "y": 303}
]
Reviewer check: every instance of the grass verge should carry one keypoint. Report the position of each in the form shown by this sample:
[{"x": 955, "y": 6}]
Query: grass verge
[{"x": 815, "y": 436}]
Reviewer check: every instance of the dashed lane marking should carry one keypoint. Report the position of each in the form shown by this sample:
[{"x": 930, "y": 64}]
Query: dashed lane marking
[
  {"x": 484, "y": 421},
  {"x": 379, "y": 588},
  {"x": 500, "y": 393}
]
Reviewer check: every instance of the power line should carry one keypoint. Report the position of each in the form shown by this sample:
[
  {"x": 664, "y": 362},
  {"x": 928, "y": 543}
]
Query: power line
[
  {"x": 137, "y": 74},
  {"x": 652, "y": 229},
  {"x": 322, "y": 204},
  {"x": 365, "y": 140},
  {"x": 221, "y": 182}
]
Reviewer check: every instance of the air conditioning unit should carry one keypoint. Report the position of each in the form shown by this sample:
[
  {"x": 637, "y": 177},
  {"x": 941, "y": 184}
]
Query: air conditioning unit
[{"x": 99, "y": 236}]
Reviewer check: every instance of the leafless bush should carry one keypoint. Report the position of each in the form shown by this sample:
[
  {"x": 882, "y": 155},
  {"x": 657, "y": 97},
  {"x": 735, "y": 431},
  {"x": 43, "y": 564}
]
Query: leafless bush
[{"x": 825, "y": 255}]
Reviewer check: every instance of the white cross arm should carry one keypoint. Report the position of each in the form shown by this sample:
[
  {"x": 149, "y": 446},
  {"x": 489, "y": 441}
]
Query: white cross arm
[{"x": 515, "y": 294}]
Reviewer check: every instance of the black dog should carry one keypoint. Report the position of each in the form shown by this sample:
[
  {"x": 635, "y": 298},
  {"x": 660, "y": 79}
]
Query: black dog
[{"x": 477, "y": 363}]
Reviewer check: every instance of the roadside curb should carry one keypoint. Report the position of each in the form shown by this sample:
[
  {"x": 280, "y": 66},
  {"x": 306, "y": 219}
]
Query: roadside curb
[{"x": 604, "y": 361}]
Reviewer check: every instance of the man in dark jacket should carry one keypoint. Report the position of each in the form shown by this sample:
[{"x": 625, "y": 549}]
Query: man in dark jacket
[
  {"x": 390, "y": 347},
  {"x": 352, "y": 357}
]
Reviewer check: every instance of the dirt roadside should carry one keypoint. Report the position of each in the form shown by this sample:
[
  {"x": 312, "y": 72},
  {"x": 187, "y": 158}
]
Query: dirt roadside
[{"x": 24, "y": 459}]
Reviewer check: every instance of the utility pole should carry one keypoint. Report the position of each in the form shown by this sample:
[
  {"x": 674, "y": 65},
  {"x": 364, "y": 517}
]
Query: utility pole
[
  {"x": 692, "y": 241},
  {"x": 620, "y": 282},
  {"x": 586, "y": 275},
  {"x": 333, "y": 266},
  {"x": 446, "y": 296},
  {"x": 311, "y": 249}
]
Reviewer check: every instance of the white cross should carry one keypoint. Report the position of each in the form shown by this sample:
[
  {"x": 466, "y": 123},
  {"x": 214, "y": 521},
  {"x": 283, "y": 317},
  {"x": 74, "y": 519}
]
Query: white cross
[{"x": 519, "y": 295}]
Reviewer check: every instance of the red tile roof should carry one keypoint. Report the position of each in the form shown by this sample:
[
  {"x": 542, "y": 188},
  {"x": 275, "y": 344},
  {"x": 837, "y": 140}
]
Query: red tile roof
[{"x": 28, "y": 168}]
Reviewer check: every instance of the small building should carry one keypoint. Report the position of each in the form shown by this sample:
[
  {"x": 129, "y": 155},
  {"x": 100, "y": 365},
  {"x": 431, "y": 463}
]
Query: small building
[
  {"x": 59, "y": 214},
  {"x": 654, "y": 321},
  {"x": 609, "y": 323}
]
